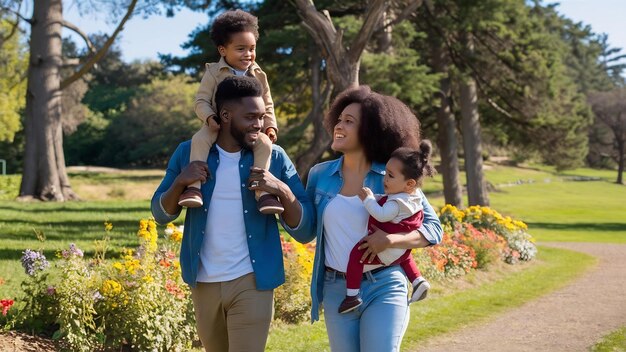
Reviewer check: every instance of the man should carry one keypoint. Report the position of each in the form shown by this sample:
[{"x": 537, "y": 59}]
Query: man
[{"x": 231, "y": 255}]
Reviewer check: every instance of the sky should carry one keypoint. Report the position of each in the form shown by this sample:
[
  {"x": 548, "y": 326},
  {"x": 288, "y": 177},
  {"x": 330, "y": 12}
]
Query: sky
[{"x": 145, "y": 38}]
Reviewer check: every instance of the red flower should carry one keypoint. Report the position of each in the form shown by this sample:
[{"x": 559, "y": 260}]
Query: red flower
[{"x": 6, "y": 304}]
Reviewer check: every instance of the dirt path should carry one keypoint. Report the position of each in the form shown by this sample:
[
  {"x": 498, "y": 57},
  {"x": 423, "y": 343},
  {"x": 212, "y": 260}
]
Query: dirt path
[{"x": 570, "y": 319}]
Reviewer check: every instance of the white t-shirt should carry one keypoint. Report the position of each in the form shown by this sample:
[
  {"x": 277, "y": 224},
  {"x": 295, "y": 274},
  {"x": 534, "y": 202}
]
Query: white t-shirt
[
  {"x": 345, "y": 224},
  {"x": 225, "y": 255}
]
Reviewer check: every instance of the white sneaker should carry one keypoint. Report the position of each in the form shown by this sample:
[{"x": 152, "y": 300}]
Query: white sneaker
[{"x": 420, "y": 291}]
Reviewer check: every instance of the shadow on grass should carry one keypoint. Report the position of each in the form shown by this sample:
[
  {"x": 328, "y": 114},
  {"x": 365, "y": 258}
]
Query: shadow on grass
[
  {"x": 603, "y": 226},
  {"x": 117, "y": 177},
  {"x": 103, "y": 209}
]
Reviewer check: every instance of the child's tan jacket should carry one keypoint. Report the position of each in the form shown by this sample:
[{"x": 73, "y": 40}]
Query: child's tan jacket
[{"x": 215, "y": 73}]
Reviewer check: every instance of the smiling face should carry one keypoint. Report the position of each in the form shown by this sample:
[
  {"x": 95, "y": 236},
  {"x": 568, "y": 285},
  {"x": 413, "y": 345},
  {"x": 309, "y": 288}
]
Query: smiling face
[
  {"x": 394, "y": 180},
  {"x": 346, "y": 131},
  {"x": 243, "y": 118},
  {"x": 240, "y": 51}
]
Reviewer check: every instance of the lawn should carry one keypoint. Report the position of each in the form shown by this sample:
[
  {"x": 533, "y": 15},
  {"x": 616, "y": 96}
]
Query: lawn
[{"x": 555, "y": 206}]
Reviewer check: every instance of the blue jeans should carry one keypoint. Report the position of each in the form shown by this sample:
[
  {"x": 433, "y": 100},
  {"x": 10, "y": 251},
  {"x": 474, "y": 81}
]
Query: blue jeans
[{"x": 379, "y": 323}]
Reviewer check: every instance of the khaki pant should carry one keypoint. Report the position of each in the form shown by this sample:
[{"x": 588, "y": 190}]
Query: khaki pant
[{"x": 233, "y": 315}]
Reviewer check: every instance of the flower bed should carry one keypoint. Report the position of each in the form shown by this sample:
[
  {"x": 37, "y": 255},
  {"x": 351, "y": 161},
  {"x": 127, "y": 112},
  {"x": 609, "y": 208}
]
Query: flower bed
[{"x": 139, "y": 301}]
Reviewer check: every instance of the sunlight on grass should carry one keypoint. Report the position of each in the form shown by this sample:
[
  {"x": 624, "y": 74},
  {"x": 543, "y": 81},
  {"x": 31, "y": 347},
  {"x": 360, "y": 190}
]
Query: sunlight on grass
[{"x": 613, "y": 342}]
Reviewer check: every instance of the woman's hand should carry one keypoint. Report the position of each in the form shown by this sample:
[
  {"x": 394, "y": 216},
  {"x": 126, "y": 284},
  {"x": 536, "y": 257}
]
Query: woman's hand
[{"x": 373, "y": 244}]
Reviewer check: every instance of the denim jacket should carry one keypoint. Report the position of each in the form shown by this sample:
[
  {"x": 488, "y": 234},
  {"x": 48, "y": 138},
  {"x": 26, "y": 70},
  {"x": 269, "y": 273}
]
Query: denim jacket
[
  {"x": 324, "y": 183},
  {"x": 262, "y": 230}
]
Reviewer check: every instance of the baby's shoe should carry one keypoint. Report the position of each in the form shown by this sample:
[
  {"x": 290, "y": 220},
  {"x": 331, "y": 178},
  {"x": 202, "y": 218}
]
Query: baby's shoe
[
  {"x": 420, "y": 290},
  {"x": 350, "y": 303}
]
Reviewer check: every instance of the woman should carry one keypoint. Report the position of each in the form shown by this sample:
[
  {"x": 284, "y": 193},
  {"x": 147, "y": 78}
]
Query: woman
[{"x": 366, "y": 127}]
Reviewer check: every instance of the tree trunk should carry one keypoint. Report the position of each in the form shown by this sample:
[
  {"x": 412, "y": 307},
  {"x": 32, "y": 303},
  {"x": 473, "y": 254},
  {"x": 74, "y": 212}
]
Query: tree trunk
[
  {"x": 621, "y": 149},
  {"x": 321, "y": 139},
  {"x": 446, "y": 137},
  {"x": 44, "y": 175},
  {"x": 342, "y": 65},
  {"x": 470, "y": 125}
]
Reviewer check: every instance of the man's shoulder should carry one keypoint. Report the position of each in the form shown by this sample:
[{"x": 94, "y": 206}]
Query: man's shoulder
[
  {"x": 184, "y": 148},
  {"x": 279, "y": 153}
]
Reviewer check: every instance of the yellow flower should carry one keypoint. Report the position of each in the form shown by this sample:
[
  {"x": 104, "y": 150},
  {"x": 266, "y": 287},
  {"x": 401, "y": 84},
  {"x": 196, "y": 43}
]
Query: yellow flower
[
  {"x": 108, "y": 226},
  {"x": 118, "y": 266},
  {"x": 132, "y": 265},
  {"x": 111, "y": 288}
]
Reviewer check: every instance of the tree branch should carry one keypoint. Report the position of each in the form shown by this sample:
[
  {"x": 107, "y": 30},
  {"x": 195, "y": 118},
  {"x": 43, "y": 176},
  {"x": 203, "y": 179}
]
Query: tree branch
[
  {"x": 71, "y": 26},
  {"x": 16, "y": 13},
  {"x": 374, "y": 15},
  {"x": 94, "y": 59},
  {"x": 415, "y": 4}
]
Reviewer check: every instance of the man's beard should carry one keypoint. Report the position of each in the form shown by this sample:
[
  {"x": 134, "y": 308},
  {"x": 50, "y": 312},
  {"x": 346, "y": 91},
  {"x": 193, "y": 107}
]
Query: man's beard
[{"x": 240, "y": 137}]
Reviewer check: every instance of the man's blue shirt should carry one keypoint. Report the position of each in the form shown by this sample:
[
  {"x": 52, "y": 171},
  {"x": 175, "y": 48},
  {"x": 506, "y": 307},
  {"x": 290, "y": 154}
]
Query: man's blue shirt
[{"x": 261, "y": 230}]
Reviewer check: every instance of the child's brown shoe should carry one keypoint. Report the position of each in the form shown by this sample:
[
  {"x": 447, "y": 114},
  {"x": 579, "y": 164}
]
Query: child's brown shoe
[
  {"x": 269, "y": 204},
  {"x": 191, "y": 198}
]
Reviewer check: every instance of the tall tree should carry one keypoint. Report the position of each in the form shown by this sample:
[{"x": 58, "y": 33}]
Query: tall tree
[
  {"x": 342, "y": 60},
  {"x": 44, "y": 174},
  {"x": 470, "y": 126},
  {"x": 610, "y": 108}
]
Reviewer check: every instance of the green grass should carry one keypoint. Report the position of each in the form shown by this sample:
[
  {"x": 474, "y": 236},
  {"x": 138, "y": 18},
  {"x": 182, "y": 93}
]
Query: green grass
[
  {"x": 62, "y": 223},
  {"x": 454, "y": 309},
  {"x": 613, "y": 342},
  {"x": 557, "y": 208}
]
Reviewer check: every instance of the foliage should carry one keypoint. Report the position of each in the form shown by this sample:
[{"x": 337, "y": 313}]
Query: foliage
[
  {"x": 520, "y": 245},
  {"x": 487, "y": 245},
  {"x": 9, "y": 186},
  {"x": 292, "y": 299},
  {"x": 13, "y": 63},
  {"x": 84, "y": 146},
  {"x": 139, "y": 301},
  {"x": 452, "y": 258},
  {"x": 610, "y": 108},
  {"x": 157, "y": 119}
]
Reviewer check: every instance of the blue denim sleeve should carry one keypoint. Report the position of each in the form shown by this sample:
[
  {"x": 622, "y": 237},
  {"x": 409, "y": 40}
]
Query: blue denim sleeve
[
  {"x": 173, "y": 169},
  {"x": 305, "y": 231},
  {"x": 431, "y": 228}
]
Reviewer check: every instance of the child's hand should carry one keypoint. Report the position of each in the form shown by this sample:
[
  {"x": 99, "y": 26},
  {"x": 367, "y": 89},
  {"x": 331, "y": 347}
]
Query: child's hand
[
  {"x": 271, "y": 132},
  {"x": 365, "y": 192},
  {"x": 213, "y": 125}
]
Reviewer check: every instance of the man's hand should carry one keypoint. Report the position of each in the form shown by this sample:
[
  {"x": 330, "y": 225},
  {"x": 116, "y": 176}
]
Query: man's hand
[
  {"x": 365, "y": 192},
  {"x": 263, "y": 180},
  {"x": 195, "y": 171},
  {"x": 374, "y": 244},
  {"x": 272, "y": 134}
]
